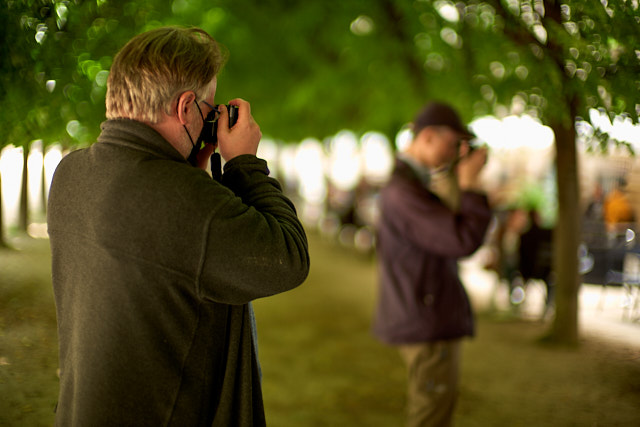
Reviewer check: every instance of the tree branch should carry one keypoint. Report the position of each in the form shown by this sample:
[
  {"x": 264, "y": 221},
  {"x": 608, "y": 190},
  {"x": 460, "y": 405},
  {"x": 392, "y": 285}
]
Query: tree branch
[
  {"x": 516, "y": 32},
  {"x": 396, "y": 29}
]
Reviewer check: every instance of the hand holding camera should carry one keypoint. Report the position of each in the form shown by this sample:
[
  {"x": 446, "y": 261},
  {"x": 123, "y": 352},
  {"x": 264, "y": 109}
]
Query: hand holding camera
[
  {"x": 469, "y": 168},
  {"x": 239, "y": 138}
]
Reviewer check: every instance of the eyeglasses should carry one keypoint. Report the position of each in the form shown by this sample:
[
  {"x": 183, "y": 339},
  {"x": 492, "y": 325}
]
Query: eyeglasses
[{"x": 213, "y": 115}]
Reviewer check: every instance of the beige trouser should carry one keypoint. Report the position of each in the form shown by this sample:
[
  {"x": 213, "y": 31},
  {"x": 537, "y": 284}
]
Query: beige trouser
[{"x": 433, "y": 382}]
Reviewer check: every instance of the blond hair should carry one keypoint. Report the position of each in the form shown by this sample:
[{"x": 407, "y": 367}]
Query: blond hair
[{"x": 155, "y": 67}]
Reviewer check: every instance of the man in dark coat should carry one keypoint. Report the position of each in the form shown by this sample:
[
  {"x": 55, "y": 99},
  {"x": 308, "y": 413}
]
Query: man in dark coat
[
  {"x": 432, "y": 214},
  {"x": 154, "y": 262}
]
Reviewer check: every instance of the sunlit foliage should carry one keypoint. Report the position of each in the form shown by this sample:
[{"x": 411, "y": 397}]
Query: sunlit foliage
[{"x": 311, "y": 68}]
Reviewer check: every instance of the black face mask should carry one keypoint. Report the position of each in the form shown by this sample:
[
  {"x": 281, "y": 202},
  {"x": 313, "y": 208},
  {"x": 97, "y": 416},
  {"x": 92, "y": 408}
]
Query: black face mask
[{"x": 208, "y": 135}]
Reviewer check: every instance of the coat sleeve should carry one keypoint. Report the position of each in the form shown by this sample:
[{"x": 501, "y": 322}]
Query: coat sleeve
[
  {"x": 418, "y": 217},
  {"x": 255, "y": 246}
]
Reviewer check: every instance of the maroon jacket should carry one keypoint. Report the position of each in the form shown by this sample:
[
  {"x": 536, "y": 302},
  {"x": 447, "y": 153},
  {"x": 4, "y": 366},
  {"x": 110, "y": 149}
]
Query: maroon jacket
[{"x": 419, "y": 243}]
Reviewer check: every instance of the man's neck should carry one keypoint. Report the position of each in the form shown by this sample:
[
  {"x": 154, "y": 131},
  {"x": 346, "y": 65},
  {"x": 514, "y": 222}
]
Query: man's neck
[{"x": 173, "y": 133}]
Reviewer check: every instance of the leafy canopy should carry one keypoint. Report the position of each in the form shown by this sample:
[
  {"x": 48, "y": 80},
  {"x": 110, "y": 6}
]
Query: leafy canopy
[{"x": 312, "y": 68}]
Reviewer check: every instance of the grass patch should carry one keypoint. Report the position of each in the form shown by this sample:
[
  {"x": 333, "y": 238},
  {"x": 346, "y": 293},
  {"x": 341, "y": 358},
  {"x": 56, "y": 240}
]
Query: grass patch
[
  {"x": 28, "y": 338},
  {"x": 321, "y": 365}
]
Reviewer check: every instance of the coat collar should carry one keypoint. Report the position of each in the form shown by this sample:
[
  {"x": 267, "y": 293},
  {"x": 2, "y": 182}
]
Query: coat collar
[
  {"x": 410, "y": 168},
  {"x": 138, "y": 136}
]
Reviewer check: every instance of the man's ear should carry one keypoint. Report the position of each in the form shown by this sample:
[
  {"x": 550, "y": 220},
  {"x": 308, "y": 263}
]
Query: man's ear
[{"x": 185, "y": 104}]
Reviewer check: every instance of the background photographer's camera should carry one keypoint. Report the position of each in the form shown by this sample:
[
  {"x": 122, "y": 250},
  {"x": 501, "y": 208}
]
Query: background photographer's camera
[{"x": 474, "y": 144}]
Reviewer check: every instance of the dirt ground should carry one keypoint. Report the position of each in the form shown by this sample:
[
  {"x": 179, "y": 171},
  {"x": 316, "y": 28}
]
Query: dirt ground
[{"x": 322, "y": 367}]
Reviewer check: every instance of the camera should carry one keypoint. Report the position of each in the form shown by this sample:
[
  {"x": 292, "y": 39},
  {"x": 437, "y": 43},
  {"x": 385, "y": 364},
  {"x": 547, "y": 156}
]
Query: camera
[
  {"x": 209, "y": 134},
  {"x": 233, "y": 115}
]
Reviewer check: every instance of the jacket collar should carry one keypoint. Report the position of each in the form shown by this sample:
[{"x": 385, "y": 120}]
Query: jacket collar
[
  {"x": 138, "y": 136},
  {"x": 410, "y": 168},
  {"x": 420, "y": 172}
]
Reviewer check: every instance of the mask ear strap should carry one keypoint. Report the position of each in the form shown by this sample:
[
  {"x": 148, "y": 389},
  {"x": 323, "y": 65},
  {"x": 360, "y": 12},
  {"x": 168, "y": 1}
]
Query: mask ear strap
[
  {"x": 200, "y": 111},
  {"x": 189, "y": 135},
  {"x": 193, "y": 155}
]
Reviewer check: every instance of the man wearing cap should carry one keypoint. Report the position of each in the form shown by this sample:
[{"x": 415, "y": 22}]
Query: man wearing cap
[{"x": 432, "y": 214}]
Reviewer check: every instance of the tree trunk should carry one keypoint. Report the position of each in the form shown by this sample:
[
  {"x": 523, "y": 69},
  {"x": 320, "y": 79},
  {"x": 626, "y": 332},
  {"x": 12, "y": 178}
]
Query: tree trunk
[
  {"x": 23, "y": 221},
  {"x": 566, "y": 237},
  {"x": 43, "y": 183}
]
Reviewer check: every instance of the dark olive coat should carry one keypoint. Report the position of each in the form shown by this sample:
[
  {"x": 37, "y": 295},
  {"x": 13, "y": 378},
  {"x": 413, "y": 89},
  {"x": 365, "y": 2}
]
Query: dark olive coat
[
  {"x": 420, "y": 241},
  {"x": 154, "y": 265}
]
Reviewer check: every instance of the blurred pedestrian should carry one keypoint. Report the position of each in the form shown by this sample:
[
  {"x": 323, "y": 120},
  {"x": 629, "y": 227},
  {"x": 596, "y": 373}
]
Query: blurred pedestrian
[
  {"x": 618, "y": 213},
  {"x": 535, "y": 258},
  {"x": 595, "y": 205},
  {"x": 154, "y": 262},
  {"x": 504, "y": 244},
  {"x": 594, "y": 232},
  {"x": 433, "y": 212}
]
